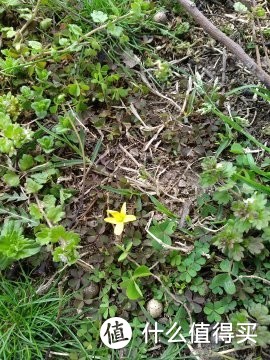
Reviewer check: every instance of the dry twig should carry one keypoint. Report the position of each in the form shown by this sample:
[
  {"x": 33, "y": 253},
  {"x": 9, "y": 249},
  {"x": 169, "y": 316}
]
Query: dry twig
[{"x": 19, "y": 34}]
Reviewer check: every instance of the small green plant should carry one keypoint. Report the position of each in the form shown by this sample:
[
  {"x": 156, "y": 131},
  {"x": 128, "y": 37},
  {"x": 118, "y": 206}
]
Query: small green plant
[
  {"x": 13, "y": 136},
  {"x": 247, "y": 226},
  {"x": 13, "y": 245},
  {"x": 67, "y": 243},
  {"x": 214, "y": 311},
  {"x": 131, "y": 285}
]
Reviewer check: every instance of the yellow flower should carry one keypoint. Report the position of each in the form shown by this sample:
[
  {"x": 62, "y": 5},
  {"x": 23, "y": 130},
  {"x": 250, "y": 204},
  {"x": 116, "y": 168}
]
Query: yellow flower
[{"x": 119, "y": 218}]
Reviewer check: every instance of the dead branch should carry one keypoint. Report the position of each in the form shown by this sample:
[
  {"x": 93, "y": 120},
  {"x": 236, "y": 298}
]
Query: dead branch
[{"x": 218, "y": 35}]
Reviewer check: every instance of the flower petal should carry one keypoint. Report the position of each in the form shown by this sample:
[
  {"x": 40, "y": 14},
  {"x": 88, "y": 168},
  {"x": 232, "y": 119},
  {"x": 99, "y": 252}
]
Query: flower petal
[
  {"x": 111, "y": 220},
  {"x": 124, "y": 209},
  {"x": 129, "y": 218},
  {"x": 118, "y": 229},
  {"x": 112, "y": 212}
]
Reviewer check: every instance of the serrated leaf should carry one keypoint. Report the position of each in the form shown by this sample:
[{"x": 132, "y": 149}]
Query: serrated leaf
[
  {"x": 41, "y": 107},
  {"x": 75, "y": 29},
  {"x": 99, "y": 16},
  {"x": 36, "y": 45},
  {"x": 225, "y": 265},
  {"x": 254, "y": 245},
  {"x": 239, "y": 7},
  {"x": 260, "y": 313},
  {"x": 15, "y": 197},
  {"x": 55, "y": 214},
  {"x": 18, "y": 213},
  {"x": 49, "y": 201},
  {"x": 222, "y": 197},
  {"x": 11, "y": 179},
  {"x": 32, "y": 186},
  {"x": 26, "y": 162},
  {"x": 114, "y": 30},
  {"x": 263, "y": 336},
  {"x": 13, "y": 245},
  {"x": 35, "y": 212}
]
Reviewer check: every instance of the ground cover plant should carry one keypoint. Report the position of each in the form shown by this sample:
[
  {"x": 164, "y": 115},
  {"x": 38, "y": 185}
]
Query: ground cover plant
[{"x": 135, "y": 180}]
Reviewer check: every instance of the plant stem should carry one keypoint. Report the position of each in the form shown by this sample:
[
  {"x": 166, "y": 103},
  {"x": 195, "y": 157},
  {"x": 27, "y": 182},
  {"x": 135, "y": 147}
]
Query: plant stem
[{"x": 253, "y": 277}]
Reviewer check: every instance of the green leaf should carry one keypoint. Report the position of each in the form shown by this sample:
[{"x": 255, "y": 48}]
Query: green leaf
[
  {"x": 260, "y": 313},
  {"x": 75, "y": 29},
  {"x": 32, "y": 186},
  {"x": 228, "y": 120},
  {"x": 18, "y": 213},
  {"x": 67, "y": 251},
  {"x": 36, "y": 45},
  {"x": 123, "y": 256},
  {"x": 55, "y": 214},
  {"x": 162, "y": 208},
  {"x": 99, "y": 16},
  {"x": 237, "y": 148},
  {"x": 115, "y": 30},
  {"x": 41, "y": 107},
  {"x": 59, "y": 233},
  {"x": 263, "y": 336},
  {"x": 254, "y": 245},
  {"x": 43, "y": 237},
  {"x": 162, "y": 231},
  {"x": 222, "y": 197},
  {"x": 45, "y": 24},
  {"x": 35, "y": 212},
  {"x": 13, "y": 245},
  {"x": 213, "y": 311},
  {"x": 254, "y": 184},
  {"x": 44, "y": 176},
  {"x": 49, "y": 201},
  {"x": 67, "y": 254},
  {"x": 133, "y": 290},
  {"x": 26, "y": 162},
  {"x": 229, "y": 285},
  {"x": 11, "y": 179},
  {"x": 141, "y": 271},
  {"x": 74, "y": 89},
  {"x": 239, "y": 7},
  {"x": 46, "y": 143},
  {"x": 11, "y": 33},
  {"x": 225, "y": 265},
  {"x": 217, "y": 283}
]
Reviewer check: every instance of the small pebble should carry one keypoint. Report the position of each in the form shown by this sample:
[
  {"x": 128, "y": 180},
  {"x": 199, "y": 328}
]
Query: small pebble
[
  {"x": 155, "y": 308},
  {"x": 161, "y": 17}
]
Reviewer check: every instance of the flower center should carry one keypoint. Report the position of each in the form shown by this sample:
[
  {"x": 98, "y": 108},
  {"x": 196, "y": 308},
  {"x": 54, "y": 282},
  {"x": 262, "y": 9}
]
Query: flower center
[{"x": 119, "y": 217}]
